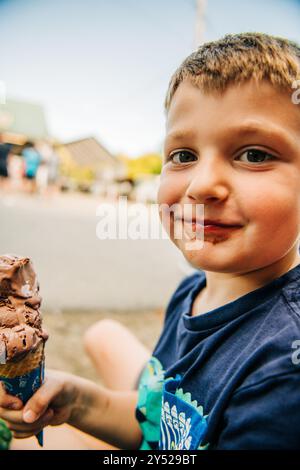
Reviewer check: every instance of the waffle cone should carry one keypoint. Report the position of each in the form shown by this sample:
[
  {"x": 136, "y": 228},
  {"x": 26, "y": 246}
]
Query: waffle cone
[{"x": 28, "y": 363}]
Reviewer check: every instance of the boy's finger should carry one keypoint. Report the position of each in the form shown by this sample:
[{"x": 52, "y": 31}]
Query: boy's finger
[
  {"x": 22, "y": 435},
  {"x": 39, "y": 402},
  {"x": 35, "y": 427},
  {"x": 11, "y": 416},
  {"x": 9, "y": 401}
]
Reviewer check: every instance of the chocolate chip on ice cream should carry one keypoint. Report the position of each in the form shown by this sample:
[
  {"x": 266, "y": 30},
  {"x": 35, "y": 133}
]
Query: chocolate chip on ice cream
[{"x": 20, "y": 318}]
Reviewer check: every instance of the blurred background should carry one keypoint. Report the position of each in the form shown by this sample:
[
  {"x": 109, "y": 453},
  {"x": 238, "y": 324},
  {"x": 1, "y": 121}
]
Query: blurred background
[{"x": 82, "y": 85}]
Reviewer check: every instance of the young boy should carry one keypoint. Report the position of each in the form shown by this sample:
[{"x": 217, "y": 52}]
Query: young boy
[{"x": 225, "y": 372}]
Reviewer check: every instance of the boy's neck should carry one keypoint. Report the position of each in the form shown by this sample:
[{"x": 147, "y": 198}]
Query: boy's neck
[{"x": 222, "y": 288}]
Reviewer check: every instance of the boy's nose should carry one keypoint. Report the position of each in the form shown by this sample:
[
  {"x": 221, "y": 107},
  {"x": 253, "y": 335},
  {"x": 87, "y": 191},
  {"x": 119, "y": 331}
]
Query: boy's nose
[{"x": 208, "y": 182}]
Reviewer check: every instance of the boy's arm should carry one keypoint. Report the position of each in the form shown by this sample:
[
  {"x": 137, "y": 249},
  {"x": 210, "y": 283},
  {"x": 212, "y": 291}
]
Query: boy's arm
[
  {"x": 265, "y": 415},
  {"x": 106, "y": 414}
]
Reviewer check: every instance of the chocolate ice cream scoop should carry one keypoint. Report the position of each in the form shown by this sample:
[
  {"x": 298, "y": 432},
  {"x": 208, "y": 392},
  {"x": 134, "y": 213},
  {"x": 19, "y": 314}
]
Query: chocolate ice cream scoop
[{"x": 20, "y": 318}]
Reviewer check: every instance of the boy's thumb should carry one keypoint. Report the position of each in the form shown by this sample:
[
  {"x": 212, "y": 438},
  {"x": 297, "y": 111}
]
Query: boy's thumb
[
  {"x": 30, "y": 416},
  {"x": 35, "y": 407},
  {"x": 40, "y": 401}
]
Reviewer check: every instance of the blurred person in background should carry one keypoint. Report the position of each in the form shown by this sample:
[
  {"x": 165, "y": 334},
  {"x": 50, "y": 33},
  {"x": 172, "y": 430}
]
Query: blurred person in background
[
  {"x": 53, "y": 165},
  {"x": 42, "y": 174},
  {"x": 16, "y": 171},
  {"x": 47, "y": 171},
  {"x": 32, "y": 160},
  {"x": 4, "y": 155}
]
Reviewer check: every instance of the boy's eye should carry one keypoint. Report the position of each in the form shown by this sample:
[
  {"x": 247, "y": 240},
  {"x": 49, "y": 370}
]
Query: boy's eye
[
  {"x": 182, "y": 156},
  {"x": 248, "y": 156},
  {"x": 255, "y": 156}
]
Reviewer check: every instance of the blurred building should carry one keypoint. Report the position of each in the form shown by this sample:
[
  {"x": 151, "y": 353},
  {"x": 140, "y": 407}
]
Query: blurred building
[
  {"x": 89, "y": 166},
  {"x": 21, "y": 121}
]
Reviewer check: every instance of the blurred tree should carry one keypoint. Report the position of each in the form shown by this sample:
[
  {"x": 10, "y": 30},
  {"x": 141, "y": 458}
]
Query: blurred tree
[{"x": 147, "y": 164}]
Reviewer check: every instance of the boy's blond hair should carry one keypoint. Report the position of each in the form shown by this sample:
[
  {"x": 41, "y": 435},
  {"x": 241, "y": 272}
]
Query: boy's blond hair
[{"x": 236, "y": 58}]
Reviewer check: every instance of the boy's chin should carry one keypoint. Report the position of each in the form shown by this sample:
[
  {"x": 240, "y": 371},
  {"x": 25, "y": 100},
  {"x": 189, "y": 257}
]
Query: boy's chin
[{"x": 201, "y": 261}]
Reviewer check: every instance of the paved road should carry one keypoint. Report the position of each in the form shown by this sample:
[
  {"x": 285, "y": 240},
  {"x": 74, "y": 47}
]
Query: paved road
[{"x": 76, "y": 269}]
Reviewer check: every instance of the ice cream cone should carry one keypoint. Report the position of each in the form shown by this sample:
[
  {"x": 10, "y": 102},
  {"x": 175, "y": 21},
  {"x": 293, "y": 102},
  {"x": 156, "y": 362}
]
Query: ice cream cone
[
  {"x": 22, "y": 378},
  {"x": 22, "y": 338},
  {"x": 21, "y": 367}
]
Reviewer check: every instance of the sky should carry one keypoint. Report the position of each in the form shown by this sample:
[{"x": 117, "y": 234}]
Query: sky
[{"x": 102, "y": 67}]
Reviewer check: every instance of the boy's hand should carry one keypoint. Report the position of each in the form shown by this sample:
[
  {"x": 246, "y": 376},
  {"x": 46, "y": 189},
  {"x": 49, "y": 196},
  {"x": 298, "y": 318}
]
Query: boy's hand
[{"x": 52, "y": 404}]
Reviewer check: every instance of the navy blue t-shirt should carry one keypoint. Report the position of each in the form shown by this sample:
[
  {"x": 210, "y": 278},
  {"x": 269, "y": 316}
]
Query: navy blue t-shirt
[{"x": 228, "y": 378}]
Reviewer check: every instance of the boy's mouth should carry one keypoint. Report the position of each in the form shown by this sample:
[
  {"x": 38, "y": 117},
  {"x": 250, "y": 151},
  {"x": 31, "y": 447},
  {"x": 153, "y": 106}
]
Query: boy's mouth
[
  {"x": 208, "y": 227},
  {"x": 210, "y": 223}
]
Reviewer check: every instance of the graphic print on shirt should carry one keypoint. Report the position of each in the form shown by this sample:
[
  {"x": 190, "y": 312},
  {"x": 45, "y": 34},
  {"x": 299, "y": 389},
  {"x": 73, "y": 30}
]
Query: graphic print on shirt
[
  {"x": 183, "y": 424},
  {"x": 148, "y": 410},
  {"x": 168, "y": 417}
]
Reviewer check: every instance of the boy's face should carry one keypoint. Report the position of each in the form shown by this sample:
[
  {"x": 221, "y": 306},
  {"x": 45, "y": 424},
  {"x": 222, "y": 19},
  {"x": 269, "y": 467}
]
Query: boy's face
[{"x": 238, "y": 154}]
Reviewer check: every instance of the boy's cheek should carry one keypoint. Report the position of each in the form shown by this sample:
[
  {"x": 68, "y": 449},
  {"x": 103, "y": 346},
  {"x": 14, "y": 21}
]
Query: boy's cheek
[
  {"x": 170, "y": 191},
  {"x": 164, "y": 195},
  {"x": 268, "y": 220}
]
